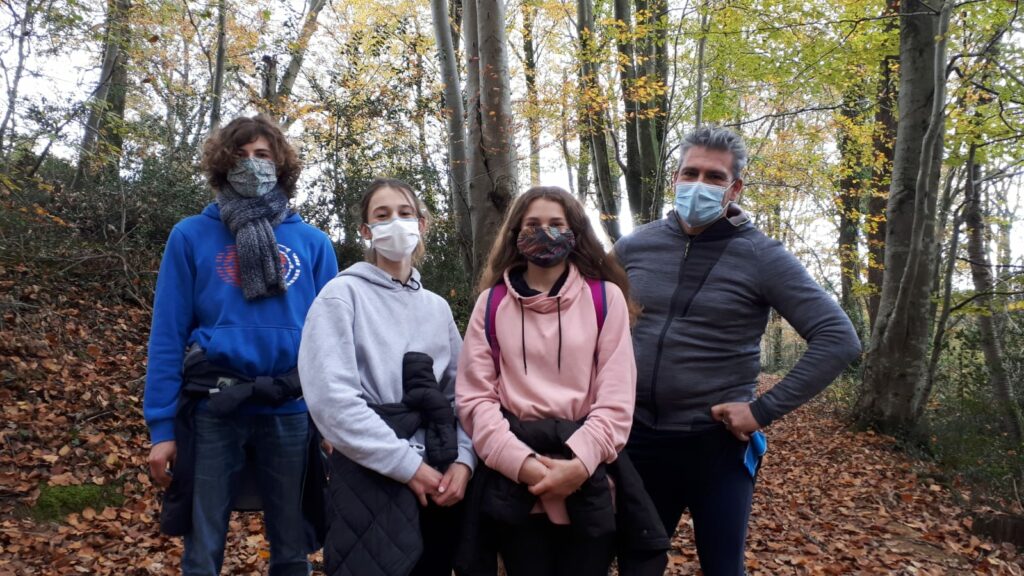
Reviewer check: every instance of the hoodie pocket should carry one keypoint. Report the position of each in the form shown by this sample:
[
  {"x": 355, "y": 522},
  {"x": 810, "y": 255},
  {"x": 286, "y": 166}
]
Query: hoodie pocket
[{"x": 254, "y": 350}]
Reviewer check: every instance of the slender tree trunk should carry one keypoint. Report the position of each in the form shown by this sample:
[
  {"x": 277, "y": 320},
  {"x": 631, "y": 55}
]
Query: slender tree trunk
[
  {"x": 981, "y": 273},
  {"x": 491, "y": 150},
  {"x": 698, "y": 116},
  {"x": 939, "y": 335},
  {"x": 532, "y": 102},
  {"x": 896, "y": 365},
  {"x": 851, "y": 184},
  {"x": 884, "y": 138},
  {"x": 595, "y": 121},
  {"x": 218, "y": 70},
  {"x": 653, "y": 118},
  {"x": 277, "y": 104},
  {"x": 100, "y": 153},
  {"x": 625, "y": 45},
  {"x": 24, "y": 30},
  {"x": 454, "y": 113}
]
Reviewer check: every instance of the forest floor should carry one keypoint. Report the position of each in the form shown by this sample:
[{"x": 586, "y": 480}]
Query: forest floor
[{"x": 76, "y": 498}]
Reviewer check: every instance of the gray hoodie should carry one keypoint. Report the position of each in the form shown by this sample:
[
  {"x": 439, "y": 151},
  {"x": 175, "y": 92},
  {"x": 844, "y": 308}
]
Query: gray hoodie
[{"x": 356, "y": 333}]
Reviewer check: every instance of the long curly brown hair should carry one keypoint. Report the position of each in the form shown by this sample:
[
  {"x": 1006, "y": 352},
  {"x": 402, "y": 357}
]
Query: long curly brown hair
[
  {"x": 589, "y": 255},
  {"x": 220, "y": 152}
]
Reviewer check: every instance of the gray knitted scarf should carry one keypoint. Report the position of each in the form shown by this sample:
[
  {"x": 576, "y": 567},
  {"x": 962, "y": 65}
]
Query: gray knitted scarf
[{"x": 252, "y": 222}]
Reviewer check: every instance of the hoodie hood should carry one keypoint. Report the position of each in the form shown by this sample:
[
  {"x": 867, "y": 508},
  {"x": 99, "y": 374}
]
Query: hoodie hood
[
  {"x": 378, "y": 277},
  {"x": 543, "y": 303},
  {"x": 212, "y": 210}
]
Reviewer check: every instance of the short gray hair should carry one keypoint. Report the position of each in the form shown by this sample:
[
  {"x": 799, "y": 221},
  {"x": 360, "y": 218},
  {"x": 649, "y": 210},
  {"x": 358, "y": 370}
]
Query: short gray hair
[{"x": 717, "y": 138}]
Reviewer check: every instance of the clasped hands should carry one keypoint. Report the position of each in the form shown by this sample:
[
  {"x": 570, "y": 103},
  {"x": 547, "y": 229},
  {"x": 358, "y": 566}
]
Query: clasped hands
[
  {"x": 444, "y": 490},
  {"x": 548, "y": 476}
]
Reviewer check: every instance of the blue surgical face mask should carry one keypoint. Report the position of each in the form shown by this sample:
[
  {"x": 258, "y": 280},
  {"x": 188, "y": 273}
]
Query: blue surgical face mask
[
  {"x": 699, "y": 203},
  {"x": 252, "y": 177}
]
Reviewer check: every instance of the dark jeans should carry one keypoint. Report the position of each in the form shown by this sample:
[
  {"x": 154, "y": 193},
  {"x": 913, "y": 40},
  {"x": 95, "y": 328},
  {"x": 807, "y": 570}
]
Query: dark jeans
[
  {"x": 279, "y": 443},
  {"x": 540, "y": 548},
  {"x": 702, "y": 472}
]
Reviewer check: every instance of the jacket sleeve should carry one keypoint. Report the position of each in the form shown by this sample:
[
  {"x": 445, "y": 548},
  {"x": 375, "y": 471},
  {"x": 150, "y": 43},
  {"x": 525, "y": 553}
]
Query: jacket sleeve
[
  {"x": 606, "y": 429},
  {"x": 326, "y": 267},
  {"x": 466, "y": 454},
  {"x": 832, "y": 343},
  {"x": 330, "y": 383},
  {"x": 173, "y": 321},
  {"x": 478, "y": 405}
]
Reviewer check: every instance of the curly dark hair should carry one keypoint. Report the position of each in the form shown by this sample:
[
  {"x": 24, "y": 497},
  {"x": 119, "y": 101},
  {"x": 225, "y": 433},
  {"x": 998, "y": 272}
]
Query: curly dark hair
[{"x": 220, "y": 152}]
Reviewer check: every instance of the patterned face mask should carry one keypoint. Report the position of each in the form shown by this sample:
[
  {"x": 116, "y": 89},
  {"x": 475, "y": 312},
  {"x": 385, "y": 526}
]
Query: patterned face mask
[
  {"x": 545, "y": 246},
  {"x": 253, "y": 177}
]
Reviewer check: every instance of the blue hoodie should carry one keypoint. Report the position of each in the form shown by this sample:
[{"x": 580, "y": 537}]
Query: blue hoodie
[{"x": 199, "y": 301}]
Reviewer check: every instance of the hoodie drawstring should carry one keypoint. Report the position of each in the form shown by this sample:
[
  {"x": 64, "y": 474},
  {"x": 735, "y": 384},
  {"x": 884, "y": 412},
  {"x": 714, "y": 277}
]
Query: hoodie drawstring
[
  {"x": 558, "y": 299},
  {"x": 522, "y": 332}
]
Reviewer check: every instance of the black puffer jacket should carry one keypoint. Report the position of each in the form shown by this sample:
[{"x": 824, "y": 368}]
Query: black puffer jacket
[
  {"x": 374, "y": 527},
  {"x": 640, "y": 537}
]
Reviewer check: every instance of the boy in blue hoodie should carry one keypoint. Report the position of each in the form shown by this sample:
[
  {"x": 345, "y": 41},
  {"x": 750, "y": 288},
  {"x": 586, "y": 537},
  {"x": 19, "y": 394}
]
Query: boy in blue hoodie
[{"x": 235, "y": 284}]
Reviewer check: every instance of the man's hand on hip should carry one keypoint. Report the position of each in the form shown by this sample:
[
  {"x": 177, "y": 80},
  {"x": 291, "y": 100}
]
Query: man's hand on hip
[{"x": 737, "y": 418}]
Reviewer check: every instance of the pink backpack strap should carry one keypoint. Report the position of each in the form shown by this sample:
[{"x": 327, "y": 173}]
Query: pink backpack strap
[
  {"x": 598, "y": 292},
  {"x": 494, "y": 298}
]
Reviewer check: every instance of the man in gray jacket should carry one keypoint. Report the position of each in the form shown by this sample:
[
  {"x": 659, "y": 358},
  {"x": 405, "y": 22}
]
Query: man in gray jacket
[{"x": 707, "y": 280}]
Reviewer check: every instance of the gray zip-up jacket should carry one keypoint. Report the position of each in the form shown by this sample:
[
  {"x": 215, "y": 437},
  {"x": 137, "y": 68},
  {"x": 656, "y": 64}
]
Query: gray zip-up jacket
[
  {"x": 356, "y": 334},
  {"x": 705, "y": 304}
]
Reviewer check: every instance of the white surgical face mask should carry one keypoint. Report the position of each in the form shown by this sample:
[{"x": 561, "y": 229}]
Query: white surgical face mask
[{"x": 395, "y": 239}]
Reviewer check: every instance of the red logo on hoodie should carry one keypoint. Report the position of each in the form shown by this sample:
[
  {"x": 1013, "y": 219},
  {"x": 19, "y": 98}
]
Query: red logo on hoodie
[{"x": 227, "y": 265}]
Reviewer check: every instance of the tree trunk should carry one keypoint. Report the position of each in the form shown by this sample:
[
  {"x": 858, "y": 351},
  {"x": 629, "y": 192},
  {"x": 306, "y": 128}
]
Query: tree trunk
[
  {"x": 644, "y": 62},
  {"x": 883, "y": 139},
  {"x": 653, "y": 118},
  {"x": 532, "y": 102},
  {"x": 896, "y": 364},
  {"x": 698, "y": 116},
  {"x": 218, "y": 71},
  {"x": 595, "y": 121},
  {"x": 851, "y": 184},
  {"x": 492, "y": 164},
  {"x": 100, "y": 154},
  {"x": 455, "y": 115},
  {"x": 297, "y": 50},
  {"x": 981, "y": 273},
  {"x": 24, "y": 29}
]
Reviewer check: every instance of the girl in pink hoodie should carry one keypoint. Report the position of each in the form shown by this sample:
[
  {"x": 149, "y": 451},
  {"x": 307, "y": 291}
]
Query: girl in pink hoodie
[{"x": 552, "y": 358}]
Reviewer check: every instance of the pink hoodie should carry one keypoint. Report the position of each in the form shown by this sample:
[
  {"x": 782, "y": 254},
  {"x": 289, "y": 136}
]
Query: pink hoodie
[{"x": 603, "y": 393}]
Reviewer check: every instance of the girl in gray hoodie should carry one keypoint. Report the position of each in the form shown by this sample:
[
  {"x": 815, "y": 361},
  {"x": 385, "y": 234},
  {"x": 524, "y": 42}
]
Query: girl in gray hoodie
[{"x": 354, "y": 347}]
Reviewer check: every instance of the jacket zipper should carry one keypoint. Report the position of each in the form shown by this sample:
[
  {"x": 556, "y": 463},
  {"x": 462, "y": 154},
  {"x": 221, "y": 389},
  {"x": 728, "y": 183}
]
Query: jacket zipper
[{"x": 664, "y": 331}]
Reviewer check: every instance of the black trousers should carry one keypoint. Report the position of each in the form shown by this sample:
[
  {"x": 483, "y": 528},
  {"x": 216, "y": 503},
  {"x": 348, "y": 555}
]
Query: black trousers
[
  {"x": 540, "y": 548},
  {"x": 441, "y": 530},
  {"x": 704, "y": 473}
]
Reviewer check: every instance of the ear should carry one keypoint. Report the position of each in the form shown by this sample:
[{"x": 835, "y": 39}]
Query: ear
[
  {"x": 364, "y": 231},
  {"x": 423, "y": 225},
  {"x": 736, "y": 191}
]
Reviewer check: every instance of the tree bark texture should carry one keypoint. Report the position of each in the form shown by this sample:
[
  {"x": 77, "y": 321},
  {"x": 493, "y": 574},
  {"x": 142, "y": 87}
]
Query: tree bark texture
[
  {"x": 896, "y": 364},
  {"x": 492, "y": 167},
  {"x": 532, "y": 101},
  {"x": 455, "y": 114}
]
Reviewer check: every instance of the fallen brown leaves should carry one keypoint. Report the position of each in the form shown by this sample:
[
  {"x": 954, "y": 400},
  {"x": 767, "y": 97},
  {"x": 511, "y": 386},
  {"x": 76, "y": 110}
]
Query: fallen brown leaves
[{"x": 828, "y": 501}]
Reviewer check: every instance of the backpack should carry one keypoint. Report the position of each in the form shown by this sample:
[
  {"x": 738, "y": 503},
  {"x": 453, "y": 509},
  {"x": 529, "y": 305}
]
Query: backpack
[{"x": 498, "y": 292}]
